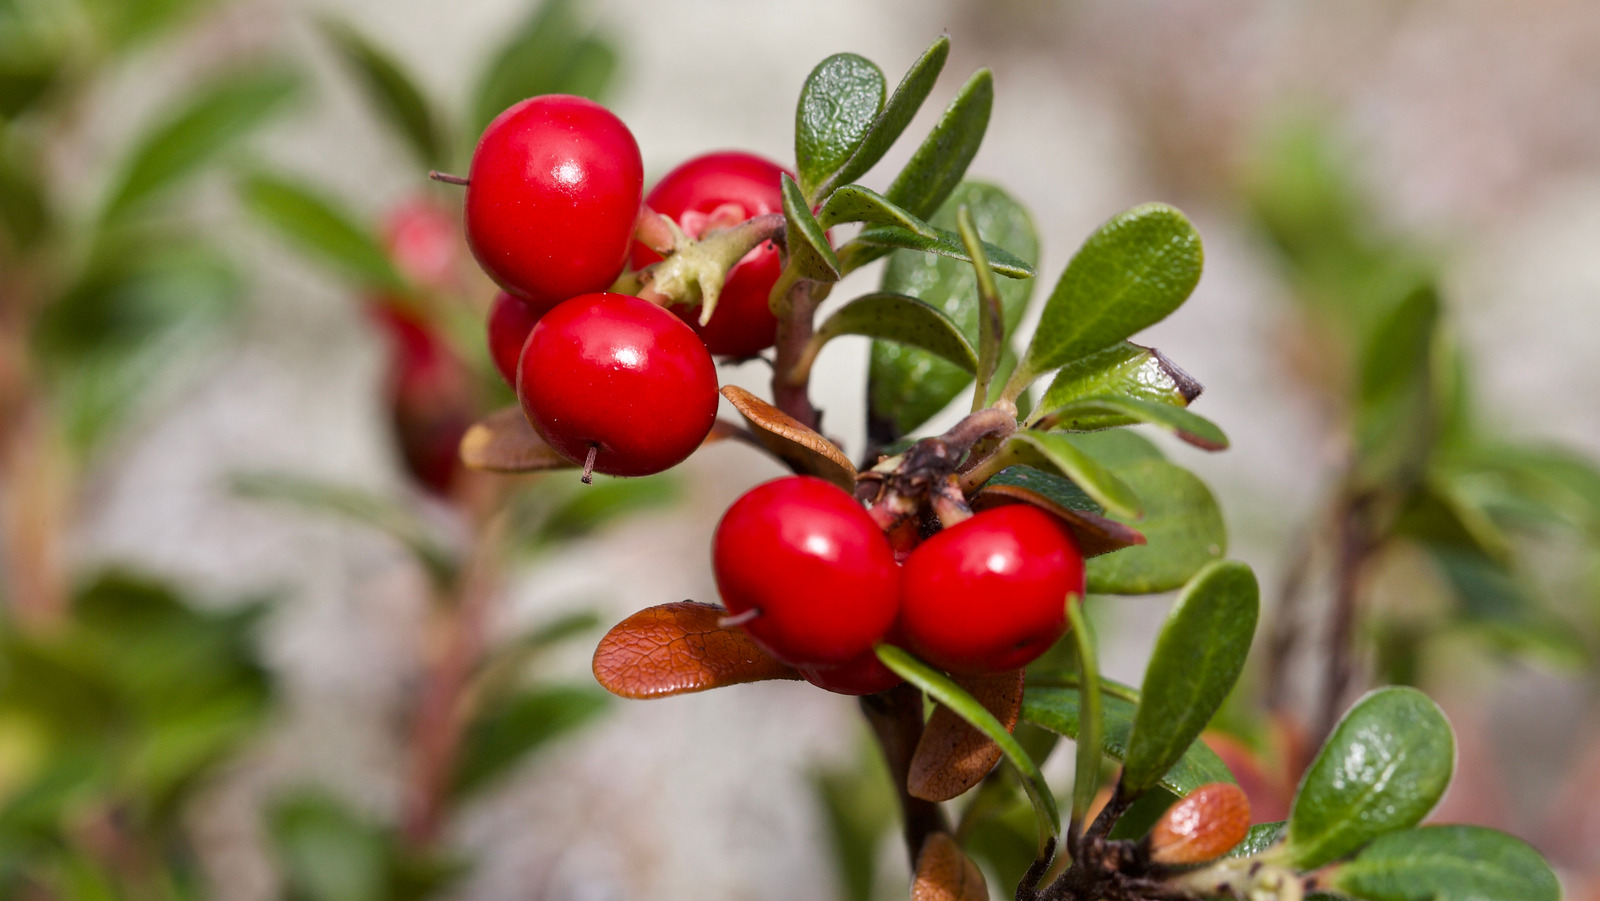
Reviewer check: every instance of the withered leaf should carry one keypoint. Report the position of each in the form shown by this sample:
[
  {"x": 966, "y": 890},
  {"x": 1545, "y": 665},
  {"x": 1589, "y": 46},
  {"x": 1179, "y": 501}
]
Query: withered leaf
[
  {"x": 679, "y": 648},
  {"x": 503, "y": 441},
  {"x": 1096, "y": 534},
  {"x": 946, "y": 873},
  {"x": 951, "y": 756},
  {"x": 806, "y": 451}
]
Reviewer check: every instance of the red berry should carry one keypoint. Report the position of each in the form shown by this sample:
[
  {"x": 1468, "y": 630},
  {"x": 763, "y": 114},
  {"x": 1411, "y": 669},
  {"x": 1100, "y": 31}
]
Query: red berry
[
  {"x": 423, "y": 240},
  {"x": 622, "y": 375},
  {"x": 431, "y": 401},
  {"x": 989, "y": 594},
  {"x": 808, "y": 557},
  {"x": 552, "y": 197},
  {"x": 865, "y": 675},
  {"x": 732, "y": 187},
  {"x": 511, "y": 318}
]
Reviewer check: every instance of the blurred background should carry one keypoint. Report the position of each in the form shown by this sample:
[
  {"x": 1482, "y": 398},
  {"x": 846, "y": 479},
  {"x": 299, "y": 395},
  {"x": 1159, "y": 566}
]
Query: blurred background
[{"x": 262, "y": 638}]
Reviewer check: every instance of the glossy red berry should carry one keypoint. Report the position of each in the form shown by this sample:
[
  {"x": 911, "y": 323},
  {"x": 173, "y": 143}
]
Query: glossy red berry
[
  {"x": 424, "y": 241},
  {"x": 619, "y": 374},
  {"x": 510, "y": 320},
  {"x": 806, "y": 555},
  {"x": 865, "y": 675},
  {"x": 724, "y": 189},
  {"x": 552, "y": 197},
  {"x": 989, "y": 594},
  {"x": 431, "y": 401}
]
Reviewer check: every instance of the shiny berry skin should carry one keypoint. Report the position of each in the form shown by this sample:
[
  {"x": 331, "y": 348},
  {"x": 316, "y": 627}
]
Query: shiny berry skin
[
  {"x": 989, "y": 594},
  {"x": 621, "y": 374},
  {"x": 552, "y": 197},
  {"x": 734, "y": 186},
  {"x": 511, "y": 318},
  {"x": 865, "y": 675},
  {"x": 807, "y": 556}
]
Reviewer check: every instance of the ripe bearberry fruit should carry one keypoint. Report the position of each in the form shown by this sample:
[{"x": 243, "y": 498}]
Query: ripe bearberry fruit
[
  {"x": 424, "y": 241},
  {"x": 810, "y": 566},
  {"x": 430, "y": 395},
  {"x": 725, "y": 189},
  {"x": 511, "y": 318},
  {"x": 989, "y": 594},
  {"x": 552, "y": 197},
  {"x": 621, "y": 376},
  {"x": 865, "y": 675},
  {"x": 1206, "y": 824}
]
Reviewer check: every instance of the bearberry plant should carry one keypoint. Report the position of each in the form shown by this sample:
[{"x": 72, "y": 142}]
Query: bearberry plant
[{"x": 952, "y": 567}]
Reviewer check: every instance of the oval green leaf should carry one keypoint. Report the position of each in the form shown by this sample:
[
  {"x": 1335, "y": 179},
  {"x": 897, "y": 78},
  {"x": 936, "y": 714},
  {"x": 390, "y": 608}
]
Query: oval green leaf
[
  {"x": 1182, "y": 526},
  {"x": 1196, "y": 661},
  {"x": 905, "y": 320},
  {"x": 1061, "y": 498},
  {"x": 940, "y": 688},
  {"x": 1448, "y": 863},
  {"x": 316, "y": 226},
  {"x": 942, "y": 159},
  {"x": 1383, "y": 768},
  {"x": 866, "y": 246},
  {"x": 1048, "y": 451},
  {"x": 809, "y": 251},
  {"x": 1260, "y": 837},
  {"x": 838, "y": 105},
  {"x": 897, "y": 114},
  {"x": 1085, "y": 415},
  {"x": 1130, "y": 274},
  {"x": 1091, "y": 716},
  {"x": 853, "y": 203},
  {"x": 394, "y": 93},
  {"x": 1126, "y": 370}
]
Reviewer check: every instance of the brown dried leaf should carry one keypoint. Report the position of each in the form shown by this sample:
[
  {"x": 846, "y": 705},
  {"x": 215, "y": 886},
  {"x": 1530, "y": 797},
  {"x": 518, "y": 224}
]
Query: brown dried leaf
[
  {"x": 679, "y": 648},
  {"x": 1203, "y": 826},
  {"x": 946, "y": 873},
  {"x": 503, "y": 441},
  {"x": 1095, "y": 534},
  {"x": 806, "y": 452},
  {"x": 952, "y": 756}
]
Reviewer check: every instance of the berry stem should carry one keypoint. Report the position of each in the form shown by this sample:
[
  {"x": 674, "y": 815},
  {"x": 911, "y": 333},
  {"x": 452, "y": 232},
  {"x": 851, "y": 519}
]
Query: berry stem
[
  {"x": 739, "y": 619},
  {"x": 896, "y": 720},
  {"x": 588, "y": 464},
  {"x": 790, "y": 379},
  {"x": 447, "y": 178}
]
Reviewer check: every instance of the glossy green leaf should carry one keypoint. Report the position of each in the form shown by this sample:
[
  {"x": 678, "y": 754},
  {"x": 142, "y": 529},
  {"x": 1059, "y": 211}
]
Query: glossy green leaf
[
  {"x": 397, "y": 97},
  {"x": 209, "y": 122},
  {"x": 940, "y": 242},
  {"x": 553, "y": 52},
  {"x": 315, "y": 225},
  {"x": 942, "y": 159},
  {"x": 839, "y": 104},
  {"x": 853, "y": 203},
  {"x": 903, "y": 320},
  {"x": 503, "y": 736},
  {"x": 895, "y": 116},
  {"x": 1448, "y": 863},
  {"x": 1122, "y": 370},
  {"x": 1130, "y": 274},
  {"x": 1045, "y": 450},
  {"x": 1260, "y": 837},
  {"x": 810, "y": 254},
  {"x": 941, "y": 689},
  {"x": 991, "y": 314},
  {"x": 1196, "y": 661},
  {"x": 1182, "y": 525},
  {"x": 1055, "y": 707},
  {"x": 1383, "y": 768},
  {"x": 1118, "y": 448},
  {"x": 905, "y": 386},
  {"x": 1085, "y": 415},
  {"x": 1091, "y": 715}
]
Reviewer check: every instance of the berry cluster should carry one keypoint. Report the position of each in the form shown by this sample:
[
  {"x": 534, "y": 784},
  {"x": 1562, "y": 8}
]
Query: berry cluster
[
  {"x": 810, "y": 576},
  {"x": 609, "y": 380}
]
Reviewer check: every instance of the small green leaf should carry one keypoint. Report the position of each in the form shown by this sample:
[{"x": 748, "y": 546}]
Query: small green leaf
[
  {"x": 1182, "y": 526},
  {"x": 853, "y": 203},
  {"x": 941, "y": 689},
  {"x": 1448, "y": 863},
  {"x": 942, "y": 159},
  {"x": 1383, "y": 768},
  {"x": 1087, "y": 414},
  {"x": 220, "y": 114},
  {"x": 862, "y": 249},
  {"x": 553, "y": 53},
  {"x": 896, "y": 115},
  {"x": 588, "y": 508},
  {"x": 1130, "y": 274},
  {"x": 810, "y": 254},
  {"x": 506, "y": 733},
  {"x": 905, "y": 386},
  {"x": 1196, "y": 661},
  {"x": 1396, "y": 417},
  {"x": 905, "y": 320},
  {"x": 1260, "y": 837},
  {"x": 839, "y": 104},
  {"x": 1091, "y": 716},
  {"x": 317, "y": 227},
  {"x": 1055, "y": 707},
  {"x": 1126, "y": 370},
  {"x": 991, "y": 315},
  {"x": 1045, "y": 450},
  {"x": 393, "y": 92}
]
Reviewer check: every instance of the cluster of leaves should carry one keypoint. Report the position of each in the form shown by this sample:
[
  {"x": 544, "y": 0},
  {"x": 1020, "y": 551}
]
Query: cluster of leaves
[{"x": 1509, "y": 530}]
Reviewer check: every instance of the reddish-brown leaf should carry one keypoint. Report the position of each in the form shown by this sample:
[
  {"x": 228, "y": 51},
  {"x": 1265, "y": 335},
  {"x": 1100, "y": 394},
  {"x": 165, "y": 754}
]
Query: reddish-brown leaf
[
  {"x": 679, "y": 648},
  {"x": 1203, "y": 826},
  {"x": 946, "y": 873},
  {"x": 1095, "y": 534},
  {"x": 952, "y": 756},
  {"x": 806, "y": 451},
  {"x": 503, "y": 441}
]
